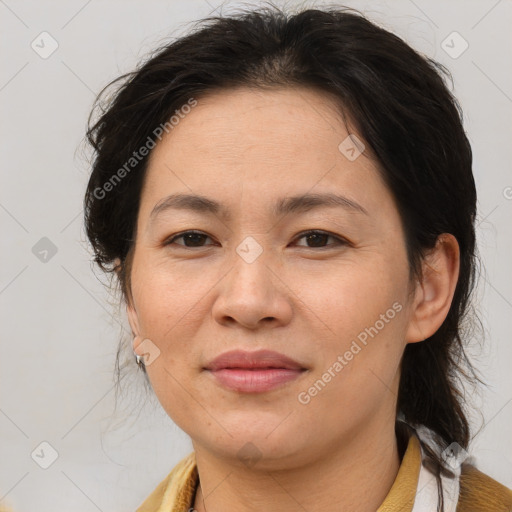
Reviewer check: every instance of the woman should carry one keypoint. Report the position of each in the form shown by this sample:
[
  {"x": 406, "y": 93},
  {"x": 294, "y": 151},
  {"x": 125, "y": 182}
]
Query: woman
[{"x": 288, "y": 204}]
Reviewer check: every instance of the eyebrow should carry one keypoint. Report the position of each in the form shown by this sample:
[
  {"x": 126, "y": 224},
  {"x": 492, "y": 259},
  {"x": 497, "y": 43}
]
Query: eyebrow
[{"x": 283, "y": 206}]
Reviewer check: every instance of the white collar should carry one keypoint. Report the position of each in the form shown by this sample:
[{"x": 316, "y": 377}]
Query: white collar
[{"x": 427, "y": 495}]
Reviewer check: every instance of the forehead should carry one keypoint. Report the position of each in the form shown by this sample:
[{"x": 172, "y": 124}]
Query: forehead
[
  {"x": 254, "y": 142},
  {"x": 288, "y": 122}
]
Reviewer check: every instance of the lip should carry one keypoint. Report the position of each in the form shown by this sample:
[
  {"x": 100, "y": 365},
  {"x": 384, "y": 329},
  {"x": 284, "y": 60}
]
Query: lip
[
  {"x": 254, "y": 372},
  {"x": 260, "y": 359}
]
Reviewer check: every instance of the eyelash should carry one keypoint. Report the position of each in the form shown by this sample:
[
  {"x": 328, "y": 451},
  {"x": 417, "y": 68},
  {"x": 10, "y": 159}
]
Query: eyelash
[{"x": 339, "y": 241}]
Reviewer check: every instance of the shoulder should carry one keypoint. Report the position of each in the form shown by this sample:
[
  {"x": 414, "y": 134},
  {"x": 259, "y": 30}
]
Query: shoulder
[
  {"x": 481, "y": 493},
  {"x": 175, "y": 490}
]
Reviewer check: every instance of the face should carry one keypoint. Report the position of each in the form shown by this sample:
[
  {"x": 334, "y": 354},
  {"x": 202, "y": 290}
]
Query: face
[{"x": 251, "y": 277}]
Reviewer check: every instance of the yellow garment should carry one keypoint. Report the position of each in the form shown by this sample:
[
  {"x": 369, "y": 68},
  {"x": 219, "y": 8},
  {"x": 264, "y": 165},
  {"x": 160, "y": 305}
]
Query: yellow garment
[{"x": 478, "y": 492}]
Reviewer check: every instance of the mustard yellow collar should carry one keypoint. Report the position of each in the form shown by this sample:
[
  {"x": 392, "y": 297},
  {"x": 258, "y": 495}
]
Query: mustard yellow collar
[{"x": 177, "y": 491}]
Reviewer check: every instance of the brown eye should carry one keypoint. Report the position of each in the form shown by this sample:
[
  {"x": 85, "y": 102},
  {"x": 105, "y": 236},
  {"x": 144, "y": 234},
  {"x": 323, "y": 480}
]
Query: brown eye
[
  {"x": 314, "y": 239},
  {"x": 190, "y": 239},
  {"x": 318, "y": 239}
]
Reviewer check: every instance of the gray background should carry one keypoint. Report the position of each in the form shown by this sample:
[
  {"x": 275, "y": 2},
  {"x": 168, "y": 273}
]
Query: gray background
[{"x": 60, "y": 326}]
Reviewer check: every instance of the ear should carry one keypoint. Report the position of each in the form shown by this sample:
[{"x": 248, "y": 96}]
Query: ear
[
  {"x": 130, "y": 309},
  {"x": 133, "y": 319},
  {"x": 433, "y": 295}
]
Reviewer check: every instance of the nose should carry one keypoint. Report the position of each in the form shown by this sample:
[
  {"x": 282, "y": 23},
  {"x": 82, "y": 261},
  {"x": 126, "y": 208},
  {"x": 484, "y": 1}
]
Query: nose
[{"x": 252, "y": 295}]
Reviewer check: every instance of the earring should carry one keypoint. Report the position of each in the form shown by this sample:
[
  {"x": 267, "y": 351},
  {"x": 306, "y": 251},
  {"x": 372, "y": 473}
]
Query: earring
[{"x": 138, "y": 359}]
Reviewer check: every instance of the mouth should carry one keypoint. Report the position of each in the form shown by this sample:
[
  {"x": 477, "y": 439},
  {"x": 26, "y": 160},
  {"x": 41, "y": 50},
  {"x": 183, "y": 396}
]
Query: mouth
[
  {"x": 254, "y": 372},
  {"x": 255, "y": 380}
]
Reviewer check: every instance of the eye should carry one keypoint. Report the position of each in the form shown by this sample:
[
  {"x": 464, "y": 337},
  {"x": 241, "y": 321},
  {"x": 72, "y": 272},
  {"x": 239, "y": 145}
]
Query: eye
[
  {"x": 193, "y": 238},
  {"x": 318, "y": 238}
]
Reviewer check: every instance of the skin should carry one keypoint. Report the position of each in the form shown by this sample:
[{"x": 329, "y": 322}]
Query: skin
[{"x": 306, "y": 299}]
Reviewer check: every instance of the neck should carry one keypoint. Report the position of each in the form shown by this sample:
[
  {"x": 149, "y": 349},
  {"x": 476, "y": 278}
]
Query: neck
[{"x": 357, "y": 476}]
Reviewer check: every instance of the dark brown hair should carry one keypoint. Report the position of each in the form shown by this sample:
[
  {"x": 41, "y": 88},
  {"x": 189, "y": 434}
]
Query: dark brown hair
[{"x": 401, "y": 108}]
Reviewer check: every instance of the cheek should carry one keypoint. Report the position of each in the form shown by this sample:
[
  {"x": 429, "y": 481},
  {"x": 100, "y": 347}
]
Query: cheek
[
  {"x": 170, "y": 300},
  {"x": 358, "y": 362},
  {"x": 334, "y": 300},
  {"x": 169, "y": 309},
  {"x": 358, "y": 313},
  {"x": 352, "y": 296}
]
